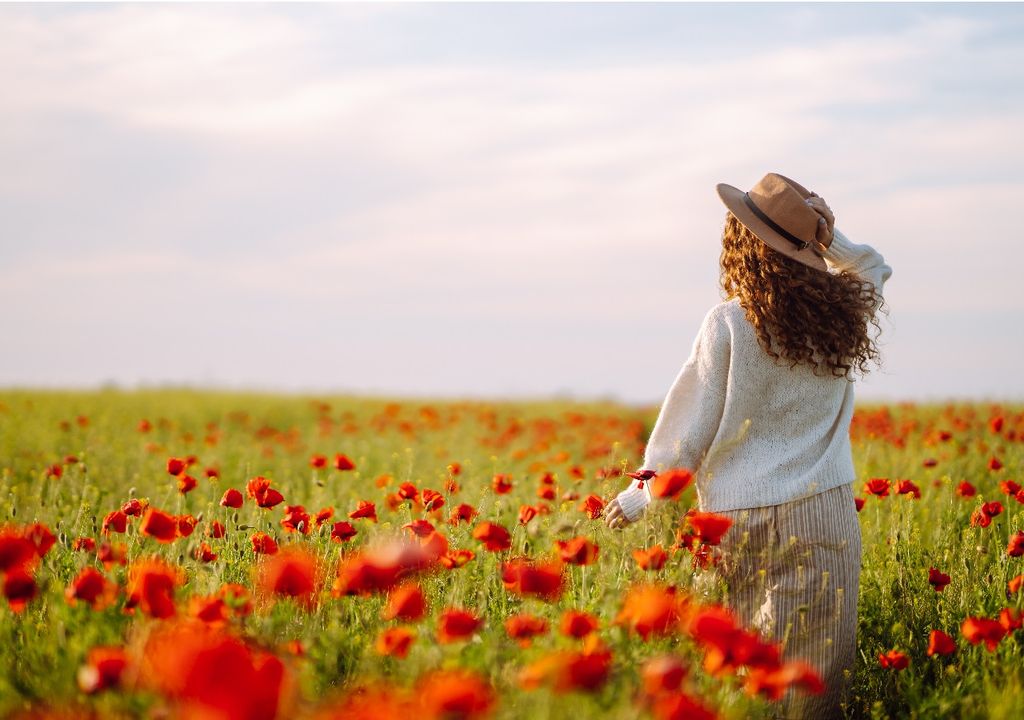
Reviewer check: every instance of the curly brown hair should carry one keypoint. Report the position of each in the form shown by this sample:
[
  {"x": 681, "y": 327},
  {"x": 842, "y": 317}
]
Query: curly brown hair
[{"x": 815, "y": 318}]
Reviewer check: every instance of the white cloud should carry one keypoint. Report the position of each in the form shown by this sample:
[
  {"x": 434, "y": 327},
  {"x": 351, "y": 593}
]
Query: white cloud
[{"x": 573, "y": 193}]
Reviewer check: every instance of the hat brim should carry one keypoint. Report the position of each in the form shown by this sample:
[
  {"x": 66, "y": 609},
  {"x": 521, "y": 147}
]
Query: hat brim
[{"x": 732, "y": 197}]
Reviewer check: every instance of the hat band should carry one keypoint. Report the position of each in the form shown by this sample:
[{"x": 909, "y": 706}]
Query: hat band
[{"x": 800, "y": 244}]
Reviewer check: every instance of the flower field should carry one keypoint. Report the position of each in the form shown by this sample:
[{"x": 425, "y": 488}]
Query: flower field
[{"x": 199, "y": 555}]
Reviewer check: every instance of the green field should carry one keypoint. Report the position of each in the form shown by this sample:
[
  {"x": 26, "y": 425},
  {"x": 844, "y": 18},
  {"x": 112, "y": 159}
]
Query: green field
[{"x": 68, "y": 460}]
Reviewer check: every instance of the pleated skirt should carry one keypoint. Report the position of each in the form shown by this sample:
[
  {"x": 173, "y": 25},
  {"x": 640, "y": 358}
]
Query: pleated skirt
[{"x": 793, "y": 572}]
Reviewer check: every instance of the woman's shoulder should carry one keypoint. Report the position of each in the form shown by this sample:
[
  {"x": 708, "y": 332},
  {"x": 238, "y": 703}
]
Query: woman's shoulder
[{"x": 725, "y": 311}]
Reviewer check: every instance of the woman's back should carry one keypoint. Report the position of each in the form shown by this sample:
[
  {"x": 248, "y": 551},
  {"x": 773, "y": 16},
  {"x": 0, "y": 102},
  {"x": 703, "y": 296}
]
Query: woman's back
[{"x": 784, "y": 431}]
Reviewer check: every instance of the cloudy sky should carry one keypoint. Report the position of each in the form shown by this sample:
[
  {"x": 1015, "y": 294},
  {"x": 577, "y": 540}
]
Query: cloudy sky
[{"x": 489, "y": 200}]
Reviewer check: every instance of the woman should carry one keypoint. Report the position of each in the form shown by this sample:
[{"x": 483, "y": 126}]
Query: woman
[{"x": 761, "y": 413}]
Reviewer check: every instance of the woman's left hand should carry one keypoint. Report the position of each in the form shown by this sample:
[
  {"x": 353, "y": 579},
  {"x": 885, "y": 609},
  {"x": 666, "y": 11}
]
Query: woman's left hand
[{"x": 614, "y": 516}]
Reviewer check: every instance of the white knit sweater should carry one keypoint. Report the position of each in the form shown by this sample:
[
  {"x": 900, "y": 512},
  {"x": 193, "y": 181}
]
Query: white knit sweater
[{"x": 755, "y": 431}]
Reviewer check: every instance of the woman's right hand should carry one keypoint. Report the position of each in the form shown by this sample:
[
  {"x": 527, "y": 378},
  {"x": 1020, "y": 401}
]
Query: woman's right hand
[{"x": 827, "y": 221}]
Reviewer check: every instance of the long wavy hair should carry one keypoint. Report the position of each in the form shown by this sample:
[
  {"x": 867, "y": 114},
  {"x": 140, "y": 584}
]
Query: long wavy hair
[{"x": 801, "y": 315}]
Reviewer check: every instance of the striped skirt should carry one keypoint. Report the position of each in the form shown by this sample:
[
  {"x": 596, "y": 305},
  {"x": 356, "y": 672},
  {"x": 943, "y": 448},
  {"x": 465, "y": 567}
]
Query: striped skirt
[{"x": 793, "y": 572}]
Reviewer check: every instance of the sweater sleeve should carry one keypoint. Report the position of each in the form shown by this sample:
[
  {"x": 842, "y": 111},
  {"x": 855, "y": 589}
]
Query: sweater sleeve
[
  {"x": 861, "y": 260},
  {"x": 691, "y": 413}
]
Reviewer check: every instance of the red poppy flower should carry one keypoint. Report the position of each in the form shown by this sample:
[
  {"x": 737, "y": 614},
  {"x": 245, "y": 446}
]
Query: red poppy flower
[
  {"x": 651, "y": 559},
  {"x": 982, "y": 516},
  {"x": 432, "y": 499},
  {"x": 1014, "y": 585},
  {"x": 939, "y": 643},
  {"x": 457, "y": 558},
  {"x": 212, "y": 610},
  {"x": 670, "y": 484},
  {"x": 394, "y": 642},
  {"x": 232, "y": 498},
  {"x": 1015, "y": 548},
  {"x": 204, "y": 553},
  {"x": 570, "y": 670},
  {"x": 454, "y": 694},
  {"x": 420, "y": 528},
  {"x": 85, "y": 544},
  {"x": 858, "y": 503},
  {"x": 894, "y": 659},
  {"x": 16, "y": 551},
  {"x": 1009, "y": 487},
  {"x": 263, "y": 544},
  {"x": 408, "y": 491},
  {"x": 19, "y": 588},
  {"x": 879, "y": 487},
  {"x": 978, "y": 630},
  {"x": 709, "y": 527},
  {"x": 258, "y": 488},
  {"x": 965, "y": 489},
  {"x": 379, "y": 569},
  {"x": 342, "y": 462},
  {"x": 323, "y": 516},
  {"x": 295, "y": 519},
  {"x": 111, "y": 554},
  {"x": 159, "y": 525},
  {"x": 176, "y": 466},
  {"x": 906, "y": 487},
  {"x": 577, "y": 551},
  {"x": 115, "y": 521},
  {"x": 364, "y": 509},
  {"x": 649, "y": 610},
  {"x": 103, "y": 669},
  {"x": 456, "y": 624},
  {"x": 994, "y": 463},
  {"x": 578, "y": 624},
  {"x": 186, "y": 484},
  {"x": 207, "y": 672},
  {"x": 525, "y": 577},
  {"x": 151, "y": 584},
  {"x": 494, "y": 537},
  {"x": 502, "y": 484},
  {"x": 726, "y": 645},
  {"x": 270, "y": 498},
  {"x": 318, "y": 461},
  {"x": 773, "y": 682},
  {"x": 462, "y": 513},
  {"x": 546, "y": 492},
  {"x": 186, "y": 525},
  {"x": 342, "y": 531},
  {"x": 1010, "y": 619},
  {"x": 293, "y": 572},
  {"x": 523, "y": 627},
  {"x": 938, "y": 580},
  {"x": 593, "y": 506},
  {"x": 133, "y": 507},
  {"x": 92, "y": 588},
  {"x": 679, "y": 705},
  {"x": 211, "y": 473},
  {"x": 526, "y": 514},
  {"x": 237, "y": 598},
  {"x": 661, "y": 674},
  {"x": 215, "y": 530},
  {"x": 405, "y": 602}
]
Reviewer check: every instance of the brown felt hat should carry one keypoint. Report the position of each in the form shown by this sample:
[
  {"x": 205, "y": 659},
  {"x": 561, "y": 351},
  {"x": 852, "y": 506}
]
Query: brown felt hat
[{"x": 777, "y": 212}]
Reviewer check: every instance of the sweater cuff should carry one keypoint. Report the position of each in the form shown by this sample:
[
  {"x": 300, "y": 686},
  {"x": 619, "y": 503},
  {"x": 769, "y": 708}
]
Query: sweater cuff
[
  {"x": 633, "y": 500},
  {"x": 841, "y": 251}
]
